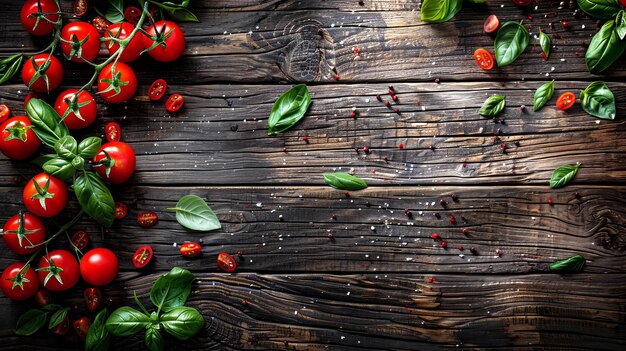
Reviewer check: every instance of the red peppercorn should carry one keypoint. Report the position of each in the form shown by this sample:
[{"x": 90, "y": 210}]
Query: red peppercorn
[
  {"x": 284, "y": 149},
  {"x": 465, "y": 230},
  {"x": 432, "y": 280},
  {"x": 498, "y": 252},
  {"x": 460, "y": 248},
  {"x": 366, "y": 149},
  {"x": 545, "y": 57},
  {"x": 443, "y": 202},
  {"x": 454, "y": 197},
  {"x": 239, "y": 253},
  {"x": 305, "y": 138},
  {"x": 397, "y": 110},
  {"x": 386, "y": 159},
  {"x": 356, "y": 51},
  {"x": 444, "y": 244},
  {"x": 387, "y": 103},
  {"x": 401, "y": 146},
  {"x": 333, "y": 217},
  {"x": 347, "y": 194},
  {"x": 577, "y": 195},
  {"x": 435, "y": 236},
  {"x": 431, "y": 146},
  {"x": 394, "y": 98},
  {"x": 379, "y": 98},
  {"x": 419, "y": 102},
  {"x": 464, "y": 165},
  {"x": 550, "y": 202},
  {"x": 473, "y": 250},
  {"x": 565, "y": 24},
  {"x": 244, "y": 302},
  {"x": 337, "y": 77},
  {"x": 331, "y": 236},
  {"x": 353, "y": 114}
]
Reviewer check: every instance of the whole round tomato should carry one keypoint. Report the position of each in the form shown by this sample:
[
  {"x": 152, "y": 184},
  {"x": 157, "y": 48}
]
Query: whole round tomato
[
  {"x": 62, "y": 327},
  {"x": 5, "y": 112},
  {"x": 45, "y": 195},
  {"x": 122, "y": 31},
  {"x": 17, "y": 283},
  {"x": 23, "y": 230},
  {"x": 117, "y": 85},
  {"x": 18, "y": 141},
  {"x": 80, "y": 41},
  {"x": 83, "y": 111},
  {"x": 39, "y": 65},
  {"x": 118, "y": 166},
  {"x": 168, "y": 38},
  {"x": 99, "y": 267},
  {"x": 58, "y": 270},
  {"x": 43, "y": 297},
  {"x": 28, "y": 16}
]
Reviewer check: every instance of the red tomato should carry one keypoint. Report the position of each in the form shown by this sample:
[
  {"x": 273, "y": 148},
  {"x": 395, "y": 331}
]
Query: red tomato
[
  {"x": 23, "y": 231},
  {"x": 5, "y": 112},
  {"x": 38, "y": 66},
  {"x": 484, "y": 59},
  {"x": 80, "y": 41},
  {"x": 168, "y": 38},
  {"x": 118, "y": 166},
  {"x": 190, "y": 249},
  {"x": 132, "y": 14},
  {"x": 92, "y": 297},
  {"x": 17, "y": 283},
  {"x": 174, "y": 103},
  {"x": 142, "y": 257},
  {"x": 120, "y": 210},
  {"x": 99, "y": 267},
  {"x": 58, "y": 270},
  {"x": 565, "y": 101},
  {"x": 491, "y": 24},
  {"x": 80, "y": 239},
  {"x": 157, "y": 89},
  {"x": 43, "y": 297},
  {"x": 18, "y": 141},
  {"x": 62, "y": 328},
  {"x": 622, "y": 2},
  {"x": 100, "y": 23},
  {"x": 113, "y": 132},
  {"x": 80, "y": 7},
  {"x": 117, "y": 85},
  {"x": 45, "y": 196},
  {"x": 28, "y": 16},
  {"x": 226, "y": 262},
  {"x": 83, "y": 111},
  {"x": 523, "y": 3},
  {"x": 122, "y": 30},
  {"x": 147, "y": 219},
  {"x": 81, "y": 326}
]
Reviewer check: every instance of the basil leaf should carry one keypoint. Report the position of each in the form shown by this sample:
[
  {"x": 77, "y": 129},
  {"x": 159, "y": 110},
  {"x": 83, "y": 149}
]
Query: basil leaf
[
  {"x": 493, "y": 106},
  {"x": 182, "y": 322},
  {"x": 153, "y": 339},
  {"x": 9, "y": 66},
  {"x": 620, "y": 23},
  {"x": 98, "y": 337},
  {"x": 88, "y": 148},
  {"x": 115, "y": 11},
  {"x": 543, "y": 94},
  {"x": 603, "y": 9},
  {"x": 46, "y": 122},
  {"x": 126, "y": 321},
  {"x": 30, "y": 322},
  {"x": 95, "y": 198},
  {"x": 52, "y": 307},
  {"x": 511, "y": 40},
  {"x": 572, "y": 264},
  {"x": 544, "y": 42},
  {"x": 598, "y": 101},
  {"x": 289, "y": 109},
  {"x": 563, "y": 175},
  {"x": 193, "y": 213},
  {"x": 604, "y": 49},
  {"x": 41, "y": 160},
  {"x": 60, "y": 168},
  {"x": 58, "y": 317},
  {"x": 66, "y": 147},
  {"x": 438, "y": 11},
  {"x": 344, "y": 181},
  {"x": 172, "y": 289}
]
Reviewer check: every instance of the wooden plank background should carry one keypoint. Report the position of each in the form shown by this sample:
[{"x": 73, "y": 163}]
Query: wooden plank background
[{"x": 371, "y": 287}]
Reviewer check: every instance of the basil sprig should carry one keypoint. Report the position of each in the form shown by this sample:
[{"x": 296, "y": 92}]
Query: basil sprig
[
  {"x": 605, "y": 48},
  {"x": 46, "y": 122},
  {"x": 438, "y": 11},
  {"x": 193, "y": 213},
  {"x": 511, "y": 41},
  {"x": 9, "y": 66},
  {"x": 289, "y": 109},
  {"x": 598, "y": 101},
  {"x": 543, "y": 94},
  {"x": 98, "y": 337},
  {"x": 602, "y": 9},
  {"x": 572, "y": 264},
  {"x": 33, "y": 320},
  {"x": 493, "y": 106},
  {"x": 344, "y": 181},
  {"x": 563, "y": 175}
]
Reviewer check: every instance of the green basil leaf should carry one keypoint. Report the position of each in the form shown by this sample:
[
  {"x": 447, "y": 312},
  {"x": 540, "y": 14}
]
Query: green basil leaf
[
  {"x": 60, "y": 168},
  {"x": 543, "y": 94},
  {"x": 544, "y": 42},
  {"x": 620, "y": 23},
  {"x": 41, "y": 160},
  {"x": 98, "y": 337},
  {"x": 66, "y": 147},
  {"x": 46, "y": 122},
  {"x": 52, "y": 307},
  {"x": 172, "y": 289},
  {"x": 604, "y": 49},
  {"x": 88, "y": 148},
  {"x": 126, "y": 321},
  {"x": 438, "y": 11},
  {"x": 289, "y": 109},
  {"x": 78, "y": 163},
  {"x": 344, "y": 181},
  {"x": 153, "y": 339},
  {"x": 493, "y": 106},
  {"x": 182, "y": 322},
  {"x": 95, "y": 198},
  {"x": 511, "y": 41},
  {"x": 603, "y": 9},
  {"x": 563, "y": 175},
  {"x": 30, "y": 322},
  {"x": 115, "y": 11},
  {"x": 572, "y": 264},
  {"x": 182, "y": 15},
  {"x": 58, "y": 317},
  {"x": 193, "y": 213},
  {"x": 178, "y": 4},
  {"x": 9, "y": 66},
  {"x": 598, "y": 101}
]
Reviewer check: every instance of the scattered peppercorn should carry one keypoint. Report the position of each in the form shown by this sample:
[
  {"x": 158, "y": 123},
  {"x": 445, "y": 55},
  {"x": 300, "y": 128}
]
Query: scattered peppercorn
[
  {"x": 346, "y": 194},
  {"x": 460, "y": 248},
  {"x": 465, "y": 230},
  {"x": 444, "y": 244},
  {"x": 366, "y": 149},
  {"x": 550, "y": 202},
  {"x": 435, "y": 236},
  {"x": 387, "y": 103},
  {"x": 386, "y": 159},
  {"x": 437, "y": 215},
  {"x": 454, "y": 197},
  {"x": 244, "y": 302},
  {"x": 394, "y": 98},
  {"x": 331, "y": 236},
  {"x": 333, "y": 217},
  {"x": 305, "y": 138},
  {"x": 473, "y": 250},
  {"x": 379, "y": 98},
  {"x": 401, "y": 146},
  {"x": 443, "y": 202}
]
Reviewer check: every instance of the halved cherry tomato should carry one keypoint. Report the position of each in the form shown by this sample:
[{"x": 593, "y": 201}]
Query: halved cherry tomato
[
  {"x": 142, "y": 256},
  {"x": 226, "y": 262},
  {"x": 92, "y": 297},
  {"x": 147, "y": 219},
  {"x": 565, "y": 101},
  {"x": 120, "y": 210},
  {"x": 62, "y": 328},
  {"x": 157, "y": 89},
  {"x": 81, "y": 326},
  {"x": 174, "y": 103},
  {"x": 113, "y": 131},
  {"x": 43, "y": 297},
  {"x": 80, "y": 7},
  {"x": 100, "y": 23},
  {"x": 132, "y": 14},
  {"x": 491, "y": 24},
  {"x": 484, "y": 59},
  {"x": 80, "y": 239},
  {"x": 5, "y": 112},
  {"x": 190, "y": 249}
]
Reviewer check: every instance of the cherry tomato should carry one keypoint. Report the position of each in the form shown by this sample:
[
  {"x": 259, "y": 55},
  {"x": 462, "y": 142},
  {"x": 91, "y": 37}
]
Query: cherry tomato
[
  {"x": 80, "y": 7},
  {"x": 17, "y": 283},
  {"x": 122, "y": 31},
  {"x": 190, "y": 249},
  {"x": 47, "y": 198},
  {"x": 226, "y": 262},
  {"x": 484, "y": 59},
  {"x": 58, "y": 270},
  {"x": 174, "y": 103},
  {"x": 49, "y": 66},
  {"x": 622, "y": 2},
  {"x": 168, "y": 33},
  {"x": 5, "y": 112},
  {"x": 113, "y": 131},
  {"x": 82, "y": 112},
  {"x": 18, "y": 141},
  {"x": 99, "y": 267},
  {"x": 117, "y": 85},
  {"x": 147, "y": 219},
  {"x": 92, "y": 297},
  {"x": 81, "y": 326},
  {"x": 80, "y": 41},
  {"x": 32, "y": 95},
  {"x": 157, "y": 89},
  {"x": 43, "y": 297},
  {"x": 491, "y": 24},
  {"x": 100, "y": 23},
  {"x": 22, "y": 232},
  {"x": 62, "y": 328},
  {"x": 565, "y": 101},
  {"x": 132, "y": 14},
  {"x": 80, "y": 239},
  {"x": 523, "y": 3},
  {"x": 28, "y": 16},
  {"x": 120, "y": 210},
  {"x": 117, "y": 162},
  {"x": 142, "y": 257}
]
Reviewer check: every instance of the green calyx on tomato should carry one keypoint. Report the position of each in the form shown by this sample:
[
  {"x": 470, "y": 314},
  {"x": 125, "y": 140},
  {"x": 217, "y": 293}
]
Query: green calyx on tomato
[
  {"x": 21, "y": 230},
  {"x": 115, "y": 84},
  {"x": 107, "y": 161},
  {"x": 40, "y": 72},
  {"x": 73, "y": 106},
  {"x": 18, "y": 131},
  {"x": 20, "y": 278},
  {"x": 42, "y": 193},
  {"x": 76, "y": 46},
  {"x": 160, "y": 37},
  {"x": 53, "y": 271}
]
